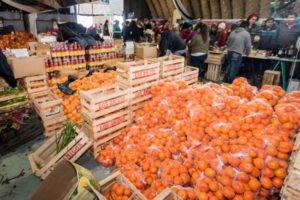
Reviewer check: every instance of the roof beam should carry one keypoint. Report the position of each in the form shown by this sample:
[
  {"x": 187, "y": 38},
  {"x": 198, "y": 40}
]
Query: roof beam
[{"x": 21, "y": 6}]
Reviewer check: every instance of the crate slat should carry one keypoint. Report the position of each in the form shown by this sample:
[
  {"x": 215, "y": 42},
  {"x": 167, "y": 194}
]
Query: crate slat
[
  {"x": 271, "y": 77},
  {"x": 214, "y": 72},
  {"x": 54, "y": 126},
  {"x": 171, "y": 65},
  {"x": 45, "y": 158},
  {"x": 36, "y": 83},
  {"x": 190, "y": 75}
]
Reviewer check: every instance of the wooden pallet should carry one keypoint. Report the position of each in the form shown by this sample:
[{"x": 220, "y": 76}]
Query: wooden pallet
[
  {"x": 214, "y": 72},
  {"x": 215, "y": 58},
  {"x": 36, "y": 83},
  {"x": 137, "y": 72},
  {"x": 103, "y": 126},
  {"x": 11, "y": 107},
  {"x": 190, "y": 75},
  {"x": 47, "y": 105},
  {"x": 43, "y": 160},
  {"x": 171, "y": 65},
  {"x": 117, "y": 177},
  {"x": 102, "y": 101},
  {"x": 55, "y": 125},
  {"x": 271, "y": 77}
]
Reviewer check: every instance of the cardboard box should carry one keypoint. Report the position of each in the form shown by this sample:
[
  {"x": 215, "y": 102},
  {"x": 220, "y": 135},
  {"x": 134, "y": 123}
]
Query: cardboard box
[
  {"x": 145, "y": 50},
  {"x": 43, "y": 50},
  {"x": 66, "y": 180},
  {"x": 24, "y": 67}
]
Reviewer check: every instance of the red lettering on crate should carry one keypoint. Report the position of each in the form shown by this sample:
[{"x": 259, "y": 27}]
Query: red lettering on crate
[
  {"x": 172, "y": 67},
  {"x": 144, "y": 73},
  {"x": 111, "y": 102},
  {"x": 73, "y": 151},
  {"x": 112, "y": 123},
  {"x": 142, "y": 93}
]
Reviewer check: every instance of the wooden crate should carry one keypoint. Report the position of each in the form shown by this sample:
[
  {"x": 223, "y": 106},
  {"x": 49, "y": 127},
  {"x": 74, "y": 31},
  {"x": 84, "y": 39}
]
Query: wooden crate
[
  {"x": 117, "y": 177},
  {"x": 167, "y": 194},
  {"x": 55, "y": 125},
  {"x": 100, "y": 144},
  {"x": 43, "y": 160},
  {"x": 36, "y": 83},
  {"x": 214, "y": 72},
  {"x": 103, "y": 126},
  {"x": 215, "y": 58},
  {"x": 137, "y": 72},
  {"x": 171, "y": 65},
  {"x": 11, "y": 107},
  {"x": 47, "y": 105},
  {"x": 102, "y": 101},
  {"x": 190, "y": 75},
  {"x": 271, "y": 77},
  {"x": 291, "y": 189},
  {"x": 140, "y": 93}
]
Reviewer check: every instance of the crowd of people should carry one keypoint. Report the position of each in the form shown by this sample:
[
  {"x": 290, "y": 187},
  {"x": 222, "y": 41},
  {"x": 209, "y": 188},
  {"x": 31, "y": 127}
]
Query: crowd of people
[{"x": 194, "y": 40}]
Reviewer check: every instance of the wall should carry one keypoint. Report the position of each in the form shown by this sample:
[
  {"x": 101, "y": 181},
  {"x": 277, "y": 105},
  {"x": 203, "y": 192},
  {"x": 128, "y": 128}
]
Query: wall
[
  {"x": 13, "y": 18},
  {"x": 140, "y": 8}
]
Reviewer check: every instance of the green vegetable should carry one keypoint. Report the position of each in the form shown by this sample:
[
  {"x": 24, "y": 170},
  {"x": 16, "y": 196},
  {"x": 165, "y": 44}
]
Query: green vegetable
[
  {"x": 12, "y": 101},
  {"x": 66, "y": 137},
  {"x": 11, "y": 91}
]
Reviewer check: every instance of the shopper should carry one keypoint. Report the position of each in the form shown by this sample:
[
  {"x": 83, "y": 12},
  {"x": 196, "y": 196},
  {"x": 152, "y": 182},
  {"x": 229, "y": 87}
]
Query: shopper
[
  {"x": 131, "y": 33},
  {"x": 288, "y": 32},
  {"x": 239, "y": 42},
  {"x": 147, "y": 24},
  {"x": 140, "y": 31},
  {"x": 213, "y": 38},
  {"x": 253, "y": 28},
  {"x": 222, "y": 35},
  {"x": 106, "y": 29},
  {"x": 199, "y": 48},
  {"x": 267, "y": 35},
  {"x": 117, "y": 30},
  {"x": 171, "y": 41},
  {"x": 186, "y": 30}
]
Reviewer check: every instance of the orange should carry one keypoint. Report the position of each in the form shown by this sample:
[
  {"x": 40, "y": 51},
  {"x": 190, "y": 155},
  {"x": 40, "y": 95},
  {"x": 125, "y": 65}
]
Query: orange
[
  {"x": 254, "y": 184},
  {"x": 228, "y": 192},
  {"x": 266, "y": 182},
  {"x": 259, "y": 163}
]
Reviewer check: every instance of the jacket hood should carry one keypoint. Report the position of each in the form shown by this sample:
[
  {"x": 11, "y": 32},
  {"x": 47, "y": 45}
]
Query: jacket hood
[{"x": 239, "y": 29}]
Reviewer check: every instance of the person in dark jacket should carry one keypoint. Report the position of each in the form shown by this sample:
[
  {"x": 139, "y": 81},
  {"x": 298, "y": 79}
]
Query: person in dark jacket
[
  {"x": 253, "y": 28},
  {"x": 267, "y": 35},
  {"x": 147, "y": 24},
  {"x": 5, "y": 71},
  {"x": 287, "y": 33},
  {"x": 131, "y": 33},
  {"x": 171, "y": 41},
  {"x": 106, "y": 29},
  {"x": 239, "y": 43},
  {"x": 213, "y": 35},
  {"x": 222, "y": 35}
]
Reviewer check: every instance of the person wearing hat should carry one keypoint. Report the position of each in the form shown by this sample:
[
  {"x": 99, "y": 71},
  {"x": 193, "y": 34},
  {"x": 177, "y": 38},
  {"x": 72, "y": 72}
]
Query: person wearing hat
[
  {"x": 147, "y": 24},
  {"x": 253, "y": 28},
  {"x": 222, "y": 35}
]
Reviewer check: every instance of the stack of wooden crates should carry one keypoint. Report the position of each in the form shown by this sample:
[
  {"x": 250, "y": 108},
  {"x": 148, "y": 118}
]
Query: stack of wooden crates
[
  {"x": 105, "y": 112},
  {"x": 171, "y": 67},
  {"x": 47, "y": 105}
]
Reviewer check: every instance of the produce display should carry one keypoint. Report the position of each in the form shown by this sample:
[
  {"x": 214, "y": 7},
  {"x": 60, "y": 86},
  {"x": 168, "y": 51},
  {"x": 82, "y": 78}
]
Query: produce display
[
  {"x": 62, "y": 50},
  {"x": 16, "y": 41},
  {"x": 11, "y": 91},
  {"x": 71, "y": 103},
  {"x": 209, "y": 142}
]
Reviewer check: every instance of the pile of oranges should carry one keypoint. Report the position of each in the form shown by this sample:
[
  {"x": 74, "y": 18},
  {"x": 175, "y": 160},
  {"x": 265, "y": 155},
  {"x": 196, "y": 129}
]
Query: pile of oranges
[
  {"x": 71, "y": 103},
  {"x": 209, "y": 142},
  {"x": 118, "y": 191}
]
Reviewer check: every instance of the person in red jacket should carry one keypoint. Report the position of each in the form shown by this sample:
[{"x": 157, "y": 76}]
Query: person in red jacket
[{"x": 222, "y": 35}]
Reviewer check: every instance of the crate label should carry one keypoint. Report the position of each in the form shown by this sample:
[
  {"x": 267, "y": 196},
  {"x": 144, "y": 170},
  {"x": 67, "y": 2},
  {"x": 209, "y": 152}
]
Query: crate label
[
  {"x": 172, "y": 67},
  {"x": 111, "y": 102},
  {"x": 73, "y": 151},
  {"x": 144, "y": 73},
  {"x": 142, "y": 93},
  {"x": 52, "y": 111},
  {"x": 112, "y": 123}
]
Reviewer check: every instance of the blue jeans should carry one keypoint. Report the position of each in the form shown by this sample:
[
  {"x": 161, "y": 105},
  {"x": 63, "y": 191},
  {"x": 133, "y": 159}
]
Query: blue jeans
[
  {"x": 233, "y": 67},
  {"x": 198, "y": 61}
]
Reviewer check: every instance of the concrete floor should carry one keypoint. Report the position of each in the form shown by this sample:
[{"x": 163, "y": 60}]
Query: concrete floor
[{"x": 22, "y": 188}]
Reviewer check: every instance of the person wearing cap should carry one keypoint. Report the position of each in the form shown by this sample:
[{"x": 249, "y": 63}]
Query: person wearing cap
[
  {"x": 222, "y": 35},
  {"x": 267, "y": 34}
]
